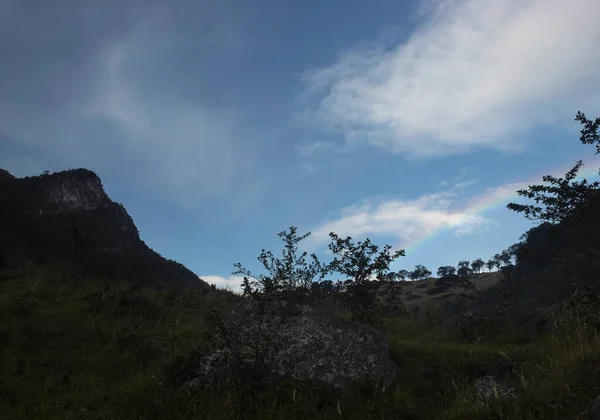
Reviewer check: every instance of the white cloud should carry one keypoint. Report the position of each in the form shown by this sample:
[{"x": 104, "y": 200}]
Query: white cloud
[
  {"x": 410, "y": 221},
  {"x": 232, "y": 283},
  {"x": 474, "y": 73},
  {"x": 407, "y": 221}
]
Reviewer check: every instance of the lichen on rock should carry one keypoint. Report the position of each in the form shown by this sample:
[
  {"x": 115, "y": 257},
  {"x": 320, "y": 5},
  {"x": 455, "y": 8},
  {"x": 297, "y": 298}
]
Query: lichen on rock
[
  {"x": 489, "y": 388},
  {"x": 295, "y": 343}
]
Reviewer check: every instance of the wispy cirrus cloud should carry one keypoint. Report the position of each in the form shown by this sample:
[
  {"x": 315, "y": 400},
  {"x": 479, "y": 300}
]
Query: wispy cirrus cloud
[
  {"x": 189, "y": 145},
  {"x": 114, "y": 98},
  {"x": 473, "y": 74}
]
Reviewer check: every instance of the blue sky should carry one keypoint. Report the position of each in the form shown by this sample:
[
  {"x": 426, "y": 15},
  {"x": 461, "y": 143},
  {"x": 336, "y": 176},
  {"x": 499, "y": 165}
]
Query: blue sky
[{"x": 219, "y": 124}]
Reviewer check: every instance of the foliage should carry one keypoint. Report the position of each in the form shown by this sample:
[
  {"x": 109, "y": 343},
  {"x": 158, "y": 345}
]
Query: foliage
[
  {"x": 360, "y": 262},
  {"x": 419, "y": 273},
  {"x": 503, "y": 259},
  {"x": 584, "y": 305},
  {"x": 290, "y": 277},
  {"x": 562, "y": 197},
  {"x": 477, "y": 265},
  {"x": 289, "y": 281},
  {"x": 63, "y": 359},
  {"x": 566, "y": 243},
  {"x": 445, "y": 271},
  {"x": 402, "y": 275}
]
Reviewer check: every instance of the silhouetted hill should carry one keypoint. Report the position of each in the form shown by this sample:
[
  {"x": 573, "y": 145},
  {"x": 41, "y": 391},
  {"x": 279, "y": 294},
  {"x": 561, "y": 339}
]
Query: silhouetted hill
[{"x": 68, "y": 215}]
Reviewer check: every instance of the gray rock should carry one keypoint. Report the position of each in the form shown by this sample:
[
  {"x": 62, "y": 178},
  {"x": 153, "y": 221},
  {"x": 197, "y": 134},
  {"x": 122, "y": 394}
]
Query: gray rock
[
  {"x": 489, "y": 388},
  {"x": 298, "y": 343}
]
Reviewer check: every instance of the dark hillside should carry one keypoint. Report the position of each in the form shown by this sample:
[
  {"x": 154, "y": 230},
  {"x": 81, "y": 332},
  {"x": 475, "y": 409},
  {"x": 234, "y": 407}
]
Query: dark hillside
[{"x": 67, "y": 215}]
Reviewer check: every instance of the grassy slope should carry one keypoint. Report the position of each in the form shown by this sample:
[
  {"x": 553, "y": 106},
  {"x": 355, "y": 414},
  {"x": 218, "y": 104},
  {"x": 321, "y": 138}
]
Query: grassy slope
[
  {"x": 71, "y": 349},
  {"x": 482, "y": 282}
]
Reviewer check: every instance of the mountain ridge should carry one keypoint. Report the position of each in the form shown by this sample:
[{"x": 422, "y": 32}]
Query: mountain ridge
[{"x": 68, "y": 215}]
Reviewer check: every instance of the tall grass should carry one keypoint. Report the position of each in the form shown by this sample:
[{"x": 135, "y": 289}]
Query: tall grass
[{"x": 73, "y": 347}]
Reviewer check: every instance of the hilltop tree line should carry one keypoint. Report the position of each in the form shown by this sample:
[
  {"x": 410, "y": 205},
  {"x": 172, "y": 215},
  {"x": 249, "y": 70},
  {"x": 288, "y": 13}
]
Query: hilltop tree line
[{"x": 464, "y": 268}]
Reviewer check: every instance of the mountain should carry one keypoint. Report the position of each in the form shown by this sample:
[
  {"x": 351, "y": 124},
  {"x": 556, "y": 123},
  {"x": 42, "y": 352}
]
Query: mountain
[{"x": 68, "y": 216}]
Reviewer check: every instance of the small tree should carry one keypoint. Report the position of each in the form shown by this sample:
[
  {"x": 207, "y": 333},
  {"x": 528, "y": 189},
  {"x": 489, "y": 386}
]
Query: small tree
[
  {"x": 464, "y": 264},
  {"x": 290, "y": 277},
  {"x": 401, "y": 275},
  {"x": 463, "y": 268},
  {"x": 490, "y": 264},
  {"x": 505, "y": 258},
  {"x": 361, "y": 262},
  {"x": 420, "y": 273},
  {"x": 446, "y": 271},
  {"x": 477, "y": 265},
  {"x": 561, "y": 197}
]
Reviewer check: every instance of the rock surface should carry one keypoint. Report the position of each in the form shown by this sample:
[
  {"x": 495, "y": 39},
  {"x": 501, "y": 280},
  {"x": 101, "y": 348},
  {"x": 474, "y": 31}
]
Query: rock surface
[
  {"x": 299, "y": 344},
  {"x": 488, "y": 388}
]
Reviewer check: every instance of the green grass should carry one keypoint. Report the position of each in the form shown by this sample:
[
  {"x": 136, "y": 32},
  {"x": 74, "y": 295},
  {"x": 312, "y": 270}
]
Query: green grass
[{"x": 70, "y": 348}]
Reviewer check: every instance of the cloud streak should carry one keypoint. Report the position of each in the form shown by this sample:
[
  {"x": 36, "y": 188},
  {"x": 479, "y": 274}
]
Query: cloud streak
[
  {"x": 473, "y": 74},
  {"x": 188, "y": 145},
  {"x": 410, "y": 221},
  {"x": 233, "y": 283},
  {"x": 113, "y": 98}
]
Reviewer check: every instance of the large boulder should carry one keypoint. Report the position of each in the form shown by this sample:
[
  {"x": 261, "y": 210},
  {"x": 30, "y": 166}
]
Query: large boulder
[{"x": 296, "y": 343}]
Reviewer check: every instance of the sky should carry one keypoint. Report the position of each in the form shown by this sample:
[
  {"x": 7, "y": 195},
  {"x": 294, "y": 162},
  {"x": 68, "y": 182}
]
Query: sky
[{"x": 220, "y": 124}]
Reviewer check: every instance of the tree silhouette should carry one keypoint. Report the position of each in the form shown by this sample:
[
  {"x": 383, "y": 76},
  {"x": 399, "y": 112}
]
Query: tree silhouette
[
  {"x": 402, "y": 274},
  {"x": 561, "y": 197},
  {"x": 290, "y": 277},
  {"x": 361, "y": 262},
  {"x": 420, "y": 273},
  {"x": 445, "y": 271},
  {"x": 477, "y": 265}
]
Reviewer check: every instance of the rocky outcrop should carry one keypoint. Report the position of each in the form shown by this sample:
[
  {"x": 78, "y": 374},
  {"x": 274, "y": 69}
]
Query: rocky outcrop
[
  {"x": 296, "y": 343},
  {"x": 68, "y": 215},
  {"x": 78, "y": 190}
]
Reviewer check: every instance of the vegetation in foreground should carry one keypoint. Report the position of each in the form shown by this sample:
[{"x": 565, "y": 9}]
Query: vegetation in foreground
[{"x": 82, "y": 348}]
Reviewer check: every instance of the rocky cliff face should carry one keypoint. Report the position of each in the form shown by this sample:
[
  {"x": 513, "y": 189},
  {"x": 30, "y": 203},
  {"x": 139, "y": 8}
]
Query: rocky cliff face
[
  {"x": 74, "y": 191},
  {"x": 69, "y": 215}
]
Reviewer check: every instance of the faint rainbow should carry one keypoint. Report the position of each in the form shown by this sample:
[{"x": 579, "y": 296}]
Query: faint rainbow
[{"x": 501, "y": 196}]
